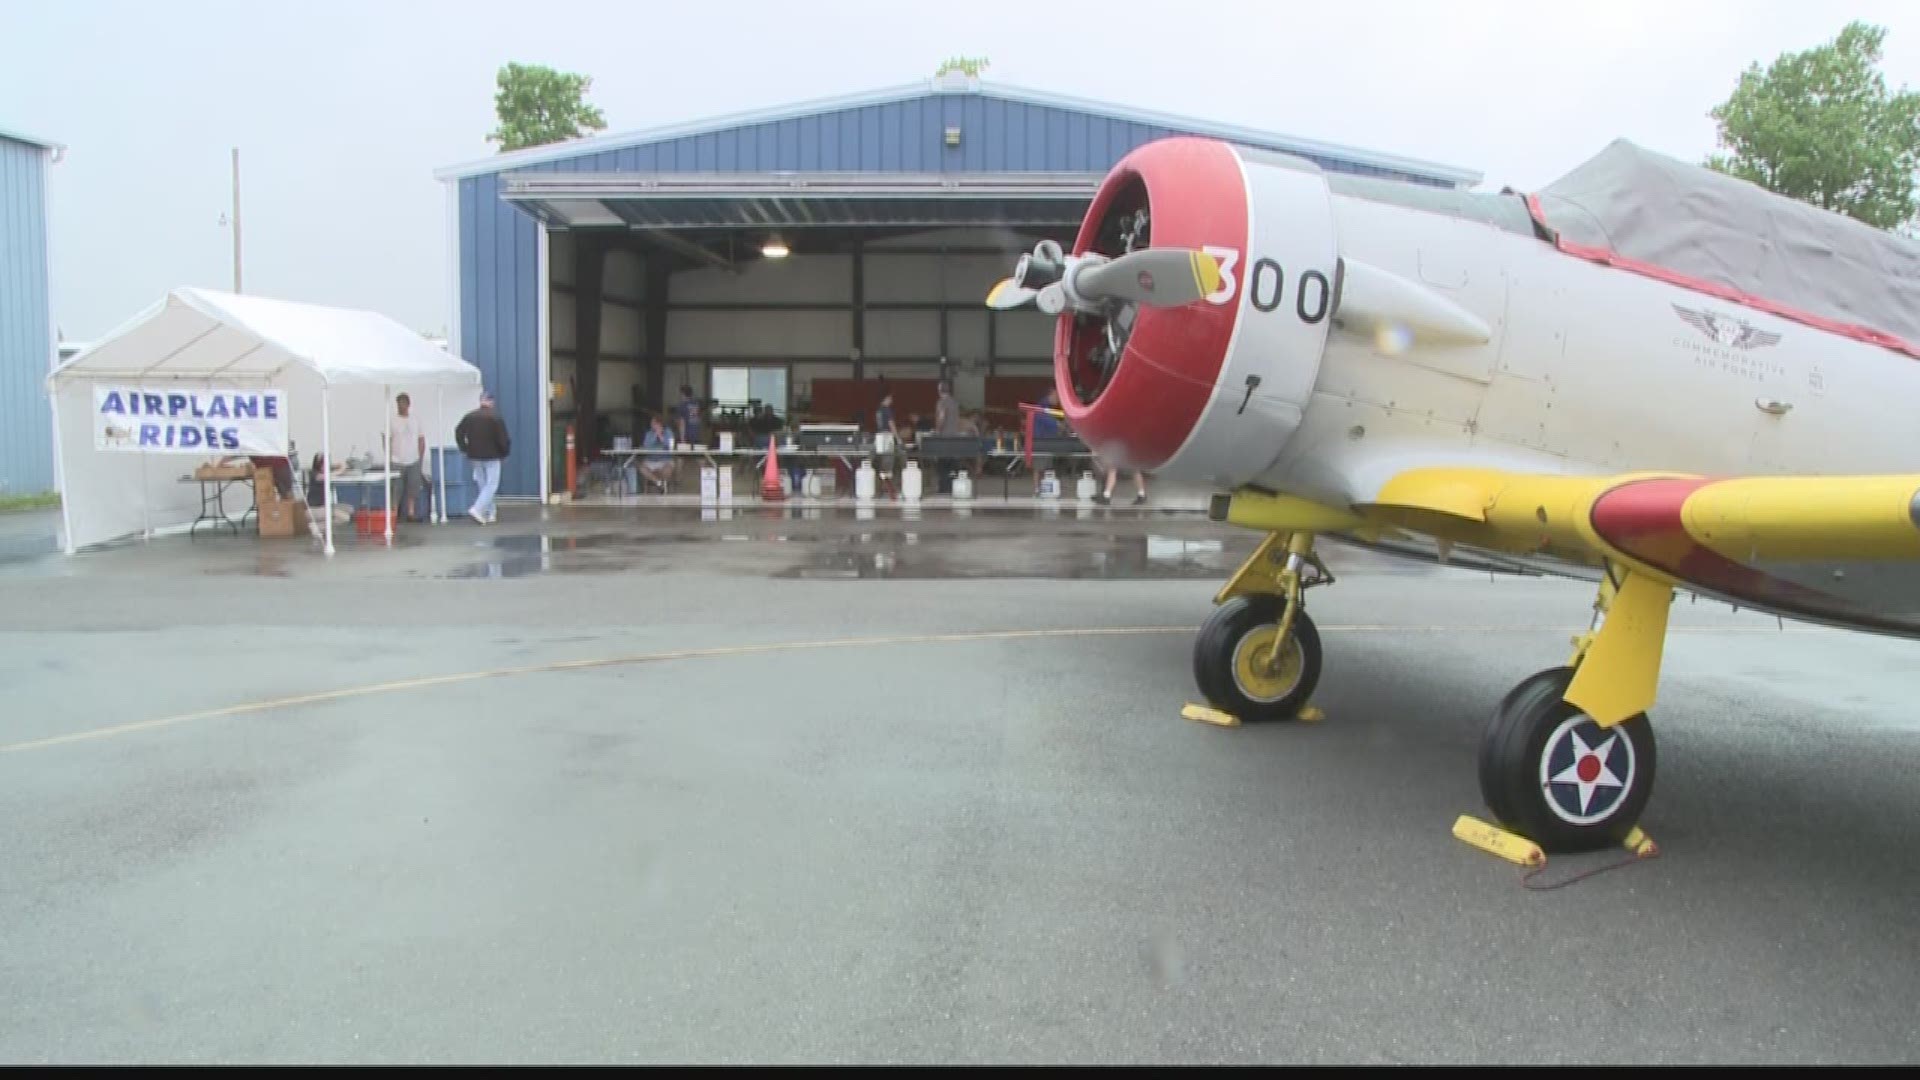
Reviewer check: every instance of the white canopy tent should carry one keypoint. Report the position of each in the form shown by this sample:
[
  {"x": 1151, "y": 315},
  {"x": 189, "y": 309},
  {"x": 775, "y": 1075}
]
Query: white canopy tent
[{"x": 338, "y": 370}]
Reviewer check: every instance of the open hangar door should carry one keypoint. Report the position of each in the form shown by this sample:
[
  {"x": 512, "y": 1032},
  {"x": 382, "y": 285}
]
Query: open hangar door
[
  {"x": 804, "y": 302},
  {"x": 814, "y": 333}
]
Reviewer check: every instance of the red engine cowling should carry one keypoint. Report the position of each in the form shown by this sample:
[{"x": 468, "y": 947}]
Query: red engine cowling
[{"x": 1212, "y": 390}]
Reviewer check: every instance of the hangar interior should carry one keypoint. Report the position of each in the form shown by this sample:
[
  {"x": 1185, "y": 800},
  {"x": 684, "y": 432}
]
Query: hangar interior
[{"x": 813, "y": 302}]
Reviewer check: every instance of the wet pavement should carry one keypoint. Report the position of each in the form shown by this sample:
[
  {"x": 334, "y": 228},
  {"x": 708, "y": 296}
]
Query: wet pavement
[
  {"x": 887, "y": 541},
  {"x": 827, "y": 549},
  {"x": 614, "y": 786}
]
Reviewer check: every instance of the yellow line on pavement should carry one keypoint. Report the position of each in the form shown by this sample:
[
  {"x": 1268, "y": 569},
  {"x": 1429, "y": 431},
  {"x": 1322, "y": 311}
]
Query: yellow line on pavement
[
  {"x": 570, "y": 665},
  {"x": 735, "y": 650}
]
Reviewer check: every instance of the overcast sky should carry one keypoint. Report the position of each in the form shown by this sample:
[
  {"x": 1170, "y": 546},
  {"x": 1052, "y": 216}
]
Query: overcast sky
[{"x": 343, "y": 110}]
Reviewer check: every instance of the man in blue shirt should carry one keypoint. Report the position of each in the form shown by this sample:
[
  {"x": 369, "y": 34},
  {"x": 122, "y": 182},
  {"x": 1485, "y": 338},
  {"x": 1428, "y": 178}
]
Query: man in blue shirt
[
  {"x": 686, "y": 416},
  {"x": 1045, "y": 426}
]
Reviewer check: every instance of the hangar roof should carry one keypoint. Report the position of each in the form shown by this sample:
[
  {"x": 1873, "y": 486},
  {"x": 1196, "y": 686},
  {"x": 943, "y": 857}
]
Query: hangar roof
[
  {"x": 800, "y": 200},
  {"x": 31, "y": 140},
  {"x": 548, "y": 158}
]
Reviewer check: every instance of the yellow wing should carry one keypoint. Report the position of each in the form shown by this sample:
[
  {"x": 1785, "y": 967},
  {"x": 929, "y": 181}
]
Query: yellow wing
[{"x": 1834, "y": 549}]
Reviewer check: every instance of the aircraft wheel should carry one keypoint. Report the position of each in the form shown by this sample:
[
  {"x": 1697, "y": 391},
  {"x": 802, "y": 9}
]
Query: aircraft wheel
[
  {"x": 1229, "y": 657},
  {"x": 1553, "y": 775}
]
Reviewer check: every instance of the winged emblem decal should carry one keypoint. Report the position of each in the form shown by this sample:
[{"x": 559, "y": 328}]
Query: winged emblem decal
[{"x": 1727, "y": 331}]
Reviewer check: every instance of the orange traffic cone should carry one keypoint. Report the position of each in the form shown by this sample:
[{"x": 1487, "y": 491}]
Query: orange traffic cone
[{"x": 770, "y": 484}]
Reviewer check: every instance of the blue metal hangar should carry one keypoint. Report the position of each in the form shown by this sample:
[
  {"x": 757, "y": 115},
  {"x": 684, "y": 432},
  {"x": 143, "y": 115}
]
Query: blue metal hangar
[
  {"x": 792, "y": 256},
  {"x": 26, "y": 316}
]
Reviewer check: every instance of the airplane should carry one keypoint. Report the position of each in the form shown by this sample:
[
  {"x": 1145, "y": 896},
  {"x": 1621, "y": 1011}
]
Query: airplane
[{"x": 1647, "y": 376}]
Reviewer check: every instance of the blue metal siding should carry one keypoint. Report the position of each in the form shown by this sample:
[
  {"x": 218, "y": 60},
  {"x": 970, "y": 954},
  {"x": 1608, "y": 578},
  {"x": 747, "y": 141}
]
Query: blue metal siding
[
  {"x": 499, "y": 264},
  {"x": 26, "y": 338},
  {"x": 499, "y": 320}
]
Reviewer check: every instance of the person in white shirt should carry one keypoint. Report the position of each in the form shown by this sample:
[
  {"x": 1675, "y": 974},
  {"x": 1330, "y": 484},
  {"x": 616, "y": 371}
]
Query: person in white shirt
[{"x": 406, "y": 452}]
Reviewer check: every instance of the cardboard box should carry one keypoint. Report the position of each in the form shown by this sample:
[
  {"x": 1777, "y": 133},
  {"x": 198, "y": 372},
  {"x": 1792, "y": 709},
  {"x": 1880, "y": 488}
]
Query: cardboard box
[
  {"x": 279, "y": 518},
  {"x": 264, "y": 490},
  {"x": 210, "y": 471}
]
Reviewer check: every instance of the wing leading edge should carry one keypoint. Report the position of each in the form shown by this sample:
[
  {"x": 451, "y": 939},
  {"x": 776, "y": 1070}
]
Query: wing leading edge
[{"x": 1842, "y": 550}]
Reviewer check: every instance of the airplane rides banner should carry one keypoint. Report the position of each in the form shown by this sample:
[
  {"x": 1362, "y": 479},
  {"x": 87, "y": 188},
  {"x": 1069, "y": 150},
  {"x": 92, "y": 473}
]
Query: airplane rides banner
[{"x": 174, "y": 421}]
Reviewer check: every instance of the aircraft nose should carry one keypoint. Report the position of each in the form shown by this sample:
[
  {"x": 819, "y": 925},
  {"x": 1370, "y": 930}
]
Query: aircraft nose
[{"x": 1135, "y": 385}]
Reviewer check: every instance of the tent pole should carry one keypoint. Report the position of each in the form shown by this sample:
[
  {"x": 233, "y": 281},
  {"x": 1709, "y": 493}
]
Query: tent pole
[
  {"x": 60, "y": 470},
  {"x": 326, "y": 456},
  {"x": 388, "y": 486},
  {"x": 440, "y": 469}
]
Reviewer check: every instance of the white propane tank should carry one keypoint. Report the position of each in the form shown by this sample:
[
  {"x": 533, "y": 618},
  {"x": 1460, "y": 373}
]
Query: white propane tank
[
  {"x": 962, "y": 486},
  {"x": 864, "y": 481},
  {"x": 813, "y": 483},
  {"x": 910, "y": 482},
  {"x": 1087, "y": 487},
  {"x": 1049, "y": 485}
]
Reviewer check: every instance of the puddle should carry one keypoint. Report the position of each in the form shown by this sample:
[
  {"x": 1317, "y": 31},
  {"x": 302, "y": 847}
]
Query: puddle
[
  {"x": 1112, "y": 558},
  {"x": 889, "y": 550},
  {"x": 25, "y": 546}
]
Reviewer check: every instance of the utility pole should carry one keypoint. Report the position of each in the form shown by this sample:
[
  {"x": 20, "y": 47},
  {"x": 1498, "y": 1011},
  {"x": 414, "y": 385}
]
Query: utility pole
[{"x": 236, "y": 219}]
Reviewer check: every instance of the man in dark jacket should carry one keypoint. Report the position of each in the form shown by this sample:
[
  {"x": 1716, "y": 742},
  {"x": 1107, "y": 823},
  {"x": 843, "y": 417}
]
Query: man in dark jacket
[{"x": 482, "y": 436}]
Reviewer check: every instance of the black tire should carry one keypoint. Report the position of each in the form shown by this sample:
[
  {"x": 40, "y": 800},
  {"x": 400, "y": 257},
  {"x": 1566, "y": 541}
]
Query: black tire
[
  {"x": 1220, "y": 638},
  {"x": 1496, "y": 794},
  {"x": 1534, "y": 739}
]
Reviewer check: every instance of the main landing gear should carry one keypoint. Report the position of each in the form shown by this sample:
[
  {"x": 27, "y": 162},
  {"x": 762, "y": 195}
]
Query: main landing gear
[
  {"x": 1258, "y": 655},
  {"x": 1568, "y": 759}
]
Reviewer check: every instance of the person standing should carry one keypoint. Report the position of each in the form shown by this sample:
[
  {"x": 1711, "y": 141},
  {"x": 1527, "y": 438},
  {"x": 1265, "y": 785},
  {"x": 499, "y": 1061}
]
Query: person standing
[
  {"x": 686, "y": 417},
  {"x": 946, "y": 413},
  {"x": 946, "y": 421},
  {"x": 1113, "y": 477},
  {"x": 407, "y": 451},
  {"x": 482, "y": 436},
  {"x": 1045, "y": 425}
]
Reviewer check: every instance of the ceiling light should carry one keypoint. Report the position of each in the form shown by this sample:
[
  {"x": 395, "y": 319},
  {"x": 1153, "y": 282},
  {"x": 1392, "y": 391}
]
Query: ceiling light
[{"x": 774, "y": 248}]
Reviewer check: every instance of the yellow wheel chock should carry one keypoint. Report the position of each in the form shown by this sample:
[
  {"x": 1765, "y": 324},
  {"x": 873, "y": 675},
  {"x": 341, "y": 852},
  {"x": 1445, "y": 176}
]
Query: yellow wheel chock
[
  {"x": 1517, "y": 849},
  {"x": 1308, "y": 714},
  {"x": 1210, "y": 716}
]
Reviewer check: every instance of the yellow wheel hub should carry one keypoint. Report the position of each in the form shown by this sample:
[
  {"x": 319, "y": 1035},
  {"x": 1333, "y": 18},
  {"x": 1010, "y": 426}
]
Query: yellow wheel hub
[{"x": 1256, "y": 678}]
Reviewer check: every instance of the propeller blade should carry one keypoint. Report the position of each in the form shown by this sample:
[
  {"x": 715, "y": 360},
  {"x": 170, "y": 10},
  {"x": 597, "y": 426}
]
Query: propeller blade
[
  {"x": 1157, "y": 277},
  {"x": 1006, "y": 296}
]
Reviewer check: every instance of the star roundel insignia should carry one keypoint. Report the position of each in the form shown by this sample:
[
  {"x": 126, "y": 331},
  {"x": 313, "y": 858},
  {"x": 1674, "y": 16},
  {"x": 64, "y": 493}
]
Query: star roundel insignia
[{"x": 1586, "y": 771}]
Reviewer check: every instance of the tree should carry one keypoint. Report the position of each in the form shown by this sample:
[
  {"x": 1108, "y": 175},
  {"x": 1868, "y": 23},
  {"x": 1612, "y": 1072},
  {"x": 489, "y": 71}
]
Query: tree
[
  {"x": 537, "y": 105},
  {"x": 1820, "y": 126},
  {"x": 970, "y": 66}
]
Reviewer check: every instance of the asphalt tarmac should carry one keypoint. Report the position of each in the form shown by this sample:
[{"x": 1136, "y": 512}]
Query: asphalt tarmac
[{"x": 612, "y": 788}]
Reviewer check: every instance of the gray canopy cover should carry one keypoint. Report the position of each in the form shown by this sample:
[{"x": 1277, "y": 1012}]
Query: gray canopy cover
[{"x": 1705, "y": 225}]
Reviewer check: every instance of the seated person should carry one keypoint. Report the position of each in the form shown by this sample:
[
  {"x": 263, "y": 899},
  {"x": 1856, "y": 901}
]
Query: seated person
[
  {"x": 763, "y": 424},
  {"x": 317, "y": 494},
  {"x": 657, "y": 468}
]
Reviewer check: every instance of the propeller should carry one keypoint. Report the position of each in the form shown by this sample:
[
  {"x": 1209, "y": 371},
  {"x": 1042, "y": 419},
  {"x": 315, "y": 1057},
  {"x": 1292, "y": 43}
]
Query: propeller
[
  {"x": 1005, "y": 295},
  {"x": 1156, "y": 277},
  {"x": 1043, "y": 266}
]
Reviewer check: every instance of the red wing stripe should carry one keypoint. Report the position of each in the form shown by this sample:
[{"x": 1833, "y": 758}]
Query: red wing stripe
[{"x": 1644, "y": 519}]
